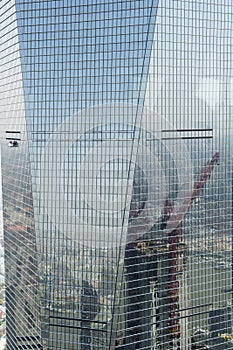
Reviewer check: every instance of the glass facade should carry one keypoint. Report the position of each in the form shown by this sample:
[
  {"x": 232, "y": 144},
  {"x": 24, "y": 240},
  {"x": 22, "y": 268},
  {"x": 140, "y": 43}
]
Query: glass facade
[{"x": 116, "y": 143}]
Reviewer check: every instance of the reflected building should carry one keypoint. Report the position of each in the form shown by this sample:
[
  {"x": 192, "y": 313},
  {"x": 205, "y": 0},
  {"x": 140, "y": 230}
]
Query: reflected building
[{"x": 116, "y": 143}]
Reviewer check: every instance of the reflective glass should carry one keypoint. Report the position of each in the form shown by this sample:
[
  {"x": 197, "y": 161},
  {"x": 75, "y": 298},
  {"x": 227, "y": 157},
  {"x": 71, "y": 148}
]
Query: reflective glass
[{"x": 116, "y": 142}]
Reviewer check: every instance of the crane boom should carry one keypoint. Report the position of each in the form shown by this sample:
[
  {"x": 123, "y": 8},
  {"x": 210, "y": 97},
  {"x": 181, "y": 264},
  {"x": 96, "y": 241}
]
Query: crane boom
[{"x": 173, "y": 219}]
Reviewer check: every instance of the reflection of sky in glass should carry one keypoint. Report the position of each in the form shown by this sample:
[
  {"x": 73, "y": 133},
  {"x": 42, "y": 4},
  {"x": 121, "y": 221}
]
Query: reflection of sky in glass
[
  {"x": 191, "y": 64},
  {"x": 90, "y": 53},
  {"x": 85, "y": 55}
]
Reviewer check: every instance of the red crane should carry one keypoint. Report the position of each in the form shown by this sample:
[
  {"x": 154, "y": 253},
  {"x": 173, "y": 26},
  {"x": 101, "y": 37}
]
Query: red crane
[
  {"x": 171, "y": 220},
  {"x": 141, "y": 259}
]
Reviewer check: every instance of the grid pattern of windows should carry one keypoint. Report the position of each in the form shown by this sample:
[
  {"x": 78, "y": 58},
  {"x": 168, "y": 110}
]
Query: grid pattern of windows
[
  {"x": 116, "y": 142},
  {"x": 21, "y": 263}
]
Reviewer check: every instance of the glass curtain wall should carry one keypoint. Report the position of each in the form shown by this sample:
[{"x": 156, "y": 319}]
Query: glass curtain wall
[{"x": 116, "y": 144}]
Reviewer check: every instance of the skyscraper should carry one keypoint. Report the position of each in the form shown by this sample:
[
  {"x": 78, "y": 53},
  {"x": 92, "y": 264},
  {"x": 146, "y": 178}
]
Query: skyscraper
[{"x": 116, "y": 144}]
